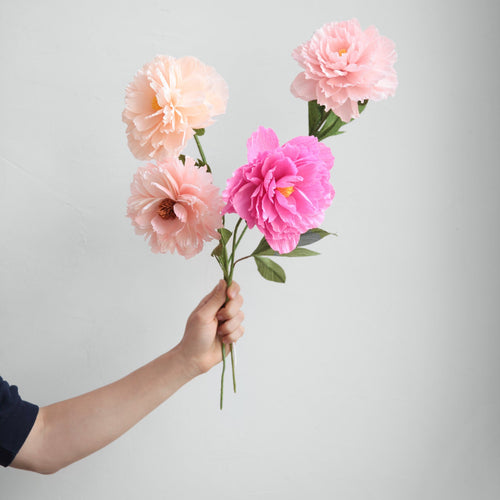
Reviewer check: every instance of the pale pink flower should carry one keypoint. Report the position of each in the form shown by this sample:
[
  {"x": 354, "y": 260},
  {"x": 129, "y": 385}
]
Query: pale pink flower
[
  {"x": 166, "y": 101},
  {"x": 343, "y": 65},
  {"x": 176, "y": 206},
  {"x": 283, "y": 190}
]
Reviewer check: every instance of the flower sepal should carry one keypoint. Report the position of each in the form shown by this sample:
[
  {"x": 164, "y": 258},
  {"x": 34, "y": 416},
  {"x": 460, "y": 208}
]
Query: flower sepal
[{"x": 324, "y": 124}]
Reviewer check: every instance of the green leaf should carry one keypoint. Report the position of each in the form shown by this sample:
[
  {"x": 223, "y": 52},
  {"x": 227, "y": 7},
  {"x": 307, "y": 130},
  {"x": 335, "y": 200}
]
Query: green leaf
[
  {"x": 199, "y": 131},
  {"x": 262, "y": 248},
  {"x": 269, "y": 270},
  {"x": 225, "y": 235},
  {"x": 362, "y": 105},
  {"x": 300, "y": 252},
  {"x": 183, "y": 159},
  {"x": 312, "y": 236},
  {"x": 217, "y": 251},
  {"x": 297, "y": 252},
  {"x": 316, "y": 116}
]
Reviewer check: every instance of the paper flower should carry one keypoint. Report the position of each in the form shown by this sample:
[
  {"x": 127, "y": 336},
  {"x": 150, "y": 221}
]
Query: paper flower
[
  {"x": 283, "y": 190},
  {"x": 176, "y": 206},
  {"x": 166, "y": 101},
  {"x": 343, "y": 65}
]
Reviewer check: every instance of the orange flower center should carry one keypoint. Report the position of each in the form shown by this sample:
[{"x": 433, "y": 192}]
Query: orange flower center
[
  {"x": 286, "y": 191},
  {"x": 341, "y": 52},
  {"x": 166, "y": 209},
  {"x": 155, "y": 105}
]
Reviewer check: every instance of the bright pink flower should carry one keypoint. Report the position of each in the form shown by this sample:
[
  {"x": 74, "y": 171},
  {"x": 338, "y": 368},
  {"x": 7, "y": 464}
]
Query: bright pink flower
[
  {"x": 166, "y": 101},
  {"x": 283, "y": 190},
  {"x": 176, "y": 206},
  {"x": 343, "y": 65}
]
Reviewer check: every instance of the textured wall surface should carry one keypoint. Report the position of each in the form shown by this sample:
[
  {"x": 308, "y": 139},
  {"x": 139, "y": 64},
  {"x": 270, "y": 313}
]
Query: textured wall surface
[{"x": 373, "y": 373}]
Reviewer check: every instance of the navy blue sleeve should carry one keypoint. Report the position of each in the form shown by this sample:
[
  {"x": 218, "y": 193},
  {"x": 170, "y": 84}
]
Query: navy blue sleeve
[{"x": 16, "y": 420}]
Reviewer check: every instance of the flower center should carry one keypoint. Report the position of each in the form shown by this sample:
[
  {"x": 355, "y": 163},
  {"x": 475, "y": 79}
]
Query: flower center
[
  {"x": 341, "y": 52},
  {"x": 166, "y": 209},
  {"x": 155, "y": 105},
  {"x": 286, "y": 191}
]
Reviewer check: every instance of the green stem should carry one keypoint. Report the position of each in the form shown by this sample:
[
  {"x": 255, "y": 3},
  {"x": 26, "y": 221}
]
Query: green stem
[
  {"x": 222, "y": 376},
  {"x": 233, "y": 364},
  {"x": 233, "y": 250},
  {"x": 202, "y": 154},
  {"x": 235, "y": 244},
  {"x": 243, "y": 258},
  {"x": 241, "y": 236}
]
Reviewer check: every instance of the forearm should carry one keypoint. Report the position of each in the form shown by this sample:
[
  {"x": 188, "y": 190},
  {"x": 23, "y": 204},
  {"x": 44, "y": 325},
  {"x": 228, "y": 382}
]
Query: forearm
[{"x": 72, "y": 429}]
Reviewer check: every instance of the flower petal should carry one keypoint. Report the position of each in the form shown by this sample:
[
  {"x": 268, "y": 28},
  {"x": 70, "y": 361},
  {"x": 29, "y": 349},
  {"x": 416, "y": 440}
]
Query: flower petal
[{"x": 263, "y": 139}]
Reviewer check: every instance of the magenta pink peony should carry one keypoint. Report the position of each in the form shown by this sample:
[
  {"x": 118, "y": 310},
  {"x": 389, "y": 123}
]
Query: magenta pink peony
[
  {"x": 167, "y": 100},
  {"x": 344, "y": 65},
  {"x": 176, "y": 206},
  {"x": 283, "y": 190}
]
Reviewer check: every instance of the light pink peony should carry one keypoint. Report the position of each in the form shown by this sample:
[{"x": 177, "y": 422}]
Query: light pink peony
[
  {"x": 283, "y": 190},
  {"x": 343, "y": 65},
  {"x": 176, "y": 206},
  {"x": 166, "y": 101}
]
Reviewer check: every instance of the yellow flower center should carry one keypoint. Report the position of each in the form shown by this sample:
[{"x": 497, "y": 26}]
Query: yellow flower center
[
  {"x": 341, "y": 52},
  {"x": 286, "y": 191},
  {"x": 166, "y": 209},
  {"x": 155, "y": 105}
]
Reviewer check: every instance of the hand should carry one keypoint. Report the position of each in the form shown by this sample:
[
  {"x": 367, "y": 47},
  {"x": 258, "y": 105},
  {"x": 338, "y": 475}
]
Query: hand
[{"x": 210, "y": 324}]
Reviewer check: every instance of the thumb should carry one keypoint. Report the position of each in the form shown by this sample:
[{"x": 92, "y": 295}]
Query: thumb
[{"x": 209, "y": 306}]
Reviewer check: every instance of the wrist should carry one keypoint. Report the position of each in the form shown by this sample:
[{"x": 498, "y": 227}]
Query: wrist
[{"x": 187, "y": 363}]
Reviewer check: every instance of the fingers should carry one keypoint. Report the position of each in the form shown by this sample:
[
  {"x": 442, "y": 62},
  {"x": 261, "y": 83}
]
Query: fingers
[
  {"x": 232, "y": 324},
  {"x": 231, "y": 308},
  {"x": 233, "y": 290},
  {"x": 232, "y": 337},
  {"x": 230, "y": 316},
  {"x": 212, "y": 302}
]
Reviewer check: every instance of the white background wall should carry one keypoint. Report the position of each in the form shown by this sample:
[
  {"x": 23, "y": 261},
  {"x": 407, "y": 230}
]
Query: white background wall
[{"x": 373, "y": 373}]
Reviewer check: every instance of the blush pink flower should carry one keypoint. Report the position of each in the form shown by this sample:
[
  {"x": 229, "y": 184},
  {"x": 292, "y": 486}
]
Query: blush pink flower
[
  {"x": 167, "y": 100},
  {"x": 343, "y": 65},
  {"x": 283, "y": 190},
  {"x": 176, "y": 206}
]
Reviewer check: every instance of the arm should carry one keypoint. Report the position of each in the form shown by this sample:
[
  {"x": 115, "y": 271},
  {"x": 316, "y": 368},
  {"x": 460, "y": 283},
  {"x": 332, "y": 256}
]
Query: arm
[{"x": 67, "y": 431}]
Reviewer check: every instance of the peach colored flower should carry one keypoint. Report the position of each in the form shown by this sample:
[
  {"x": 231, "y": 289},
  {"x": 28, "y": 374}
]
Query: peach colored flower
[
  {"x": 343, "y": 65},
  {"x": 166, "y": 101},
  {"x": 176, "y": 206}
]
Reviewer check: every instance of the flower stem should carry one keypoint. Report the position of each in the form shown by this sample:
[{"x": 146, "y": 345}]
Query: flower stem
[
  {"x": 242, "y": 258},
  {"x": 233, "y": 364},
  {"x": 222, "y": 376},
  {"x": 202, "y": 154}
]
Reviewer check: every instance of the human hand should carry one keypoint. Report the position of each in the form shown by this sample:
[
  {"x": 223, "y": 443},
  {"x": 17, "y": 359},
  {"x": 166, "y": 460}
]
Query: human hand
[{"x": 210, "y": 324}]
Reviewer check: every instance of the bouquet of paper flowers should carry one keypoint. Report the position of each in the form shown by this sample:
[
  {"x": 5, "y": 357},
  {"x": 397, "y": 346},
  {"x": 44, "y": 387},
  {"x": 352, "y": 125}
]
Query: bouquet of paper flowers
[{"x": 283, "y": 190}]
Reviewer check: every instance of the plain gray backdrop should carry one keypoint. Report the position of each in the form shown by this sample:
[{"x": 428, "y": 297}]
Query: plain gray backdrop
[{"x": 373, "y": 372}]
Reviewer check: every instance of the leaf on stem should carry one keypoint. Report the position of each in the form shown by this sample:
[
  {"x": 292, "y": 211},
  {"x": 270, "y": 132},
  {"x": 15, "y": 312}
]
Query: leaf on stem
[
  {"x": 218, "y": 251},
  {"x": 297, "y": 252},
  {"x": 200, "y": 163},
  {"x": 269, "y": 270},
  {"x": 225, "y": 235},
  {"x": 316, "y": 116},
  {"x": 262, "y": 248},
  {"x": 199, "y": 131},
  {"x": 312, "y": 236}
]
